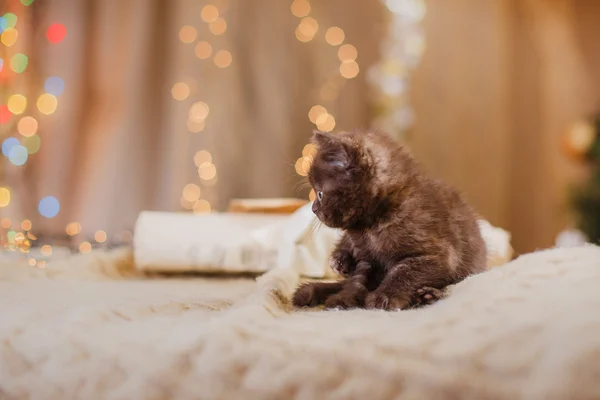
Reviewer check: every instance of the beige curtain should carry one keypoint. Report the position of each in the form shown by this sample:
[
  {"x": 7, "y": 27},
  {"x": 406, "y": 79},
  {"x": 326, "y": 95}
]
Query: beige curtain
[
  {"x": 119, "y": 141},
  {"x": 499, "y": 83}
]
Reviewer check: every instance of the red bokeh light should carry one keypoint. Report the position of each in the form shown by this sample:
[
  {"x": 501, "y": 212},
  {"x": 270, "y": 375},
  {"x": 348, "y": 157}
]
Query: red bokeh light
[
  {"x": 56, "y": 33},
  {"x": 5, "y": 114}
]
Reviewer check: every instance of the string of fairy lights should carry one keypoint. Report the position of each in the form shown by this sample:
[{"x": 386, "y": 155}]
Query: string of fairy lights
[
  {"x": 348, "y": 68},
  {"x": 191, "y": 194}
]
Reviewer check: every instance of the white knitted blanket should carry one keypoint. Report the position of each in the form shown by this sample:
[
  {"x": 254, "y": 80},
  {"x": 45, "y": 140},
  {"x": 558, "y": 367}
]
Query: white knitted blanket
[{"x": 90, "y": 328}]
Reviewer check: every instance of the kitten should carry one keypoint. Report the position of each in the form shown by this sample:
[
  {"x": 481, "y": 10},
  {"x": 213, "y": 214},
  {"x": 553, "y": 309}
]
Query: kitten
[{"x": 406, "y": 236}]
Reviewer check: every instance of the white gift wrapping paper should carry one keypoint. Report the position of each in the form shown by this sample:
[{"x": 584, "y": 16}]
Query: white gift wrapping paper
[{"x": 234, "y": 243}]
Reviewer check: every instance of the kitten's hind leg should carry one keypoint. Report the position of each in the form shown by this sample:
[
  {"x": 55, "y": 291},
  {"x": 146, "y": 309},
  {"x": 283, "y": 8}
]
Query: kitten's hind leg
[
  {"x": 315, "y": 293},
  {"x": 426, "y": 295}
]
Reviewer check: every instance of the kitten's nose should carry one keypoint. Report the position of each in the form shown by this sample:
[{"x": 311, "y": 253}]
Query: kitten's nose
[{"x": 314, "y": 207}]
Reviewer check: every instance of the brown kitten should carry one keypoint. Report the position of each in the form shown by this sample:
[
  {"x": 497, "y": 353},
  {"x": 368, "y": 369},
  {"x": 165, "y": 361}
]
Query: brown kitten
[{"x": 406, "y": 235}]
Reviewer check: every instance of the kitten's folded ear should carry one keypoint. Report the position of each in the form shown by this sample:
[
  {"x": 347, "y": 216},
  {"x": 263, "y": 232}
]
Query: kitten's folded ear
[{"x": 334, "y": 150}]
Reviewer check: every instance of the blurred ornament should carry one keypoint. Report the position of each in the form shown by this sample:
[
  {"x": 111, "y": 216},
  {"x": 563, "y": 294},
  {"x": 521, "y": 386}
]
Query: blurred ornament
[
  {"x": 401, "y": 53},
  {"x": 578, "y": 139},
  {"x": 49, "y": 207},
  {"x": 56, "y": 33}
]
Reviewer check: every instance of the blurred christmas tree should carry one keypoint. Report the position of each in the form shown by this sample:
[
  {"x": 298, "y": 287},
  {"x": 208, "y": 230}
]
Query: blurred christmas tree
[{"x": 583, "y": 142}]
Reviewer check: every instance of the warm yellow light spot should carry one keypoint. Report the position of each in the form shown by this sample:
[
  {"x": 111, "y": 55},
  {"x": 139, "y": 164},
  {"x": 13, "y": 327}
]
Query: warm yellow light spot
[
  {"x": 301, "y": 37},
  {"x": 309, "y": 150},
  {"x": 19, "y": 237},
  {"x": 201, "y": 206},
  {"x": 210, "y": 182},
  {"x": 31, "y": 236},
  {"x": 312, "y": 195},
  {"x": 315, "y": 112},
  {"x": 186, "y": 205},
  {"x": 47, "y": 104},
  {"x": 299, "y": 167},
  {"x": 100, "y": 236},
  {"x": 218, "y": 26},
  {"x": 347, "y": 52},
  {"x": 180, "y": 91},
  {"x": 9, "y": 37},
  {"x": 580, "y": 136},
  {"x": 349, "y": 69},
  {"x": 32, "y": 262},
  {"x": 335, "y": 36},
  {"x": 222, "y": 59},
  {"x": 73, "y": 228},
  {"x": 198, "y": 111},
  {"x": 41, "y": 264},
  {"x": 46, "y": 250},
  {"x": 85, "y": 247},
  {"x": 326, "y": 122},
  {"x": 202, "y": 156},
  {"x": 191, "y": 192},
  {"x": 203, "y": 50},
  {"x": 27, "y": 126},
  {"x": 300, "y": 8},
  {"x": 187, "y": 34},
  {"x": 207, "y": 170},
  {"x": 209, "y": 13},
  {"x": 4, "y": 197},
  {"x": 26, "y": 225},
  {"x": 17, "y": 104},
  {"x": 5, "y": 222},
  {"x": 308, "y": 26},
  {"x": 195, "y": 127}
]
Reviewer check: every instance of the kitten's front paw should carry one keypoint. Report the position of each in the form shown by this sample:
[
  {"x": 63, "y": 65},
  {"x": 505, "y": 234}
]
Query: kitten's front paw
[
  {"x": 341, "y": 301},
  {"x": 342, "y": 262},
  {"x": 426, "y": 295},
  {"x": 305, "y": 296},
  {"x": 384, "y": 301}
]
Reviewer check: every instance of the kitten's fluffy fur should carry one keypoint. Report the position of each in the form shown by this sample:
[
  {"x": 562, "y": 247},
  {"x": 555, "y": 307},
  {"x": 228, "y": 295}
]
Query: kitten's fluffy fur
[{"x": 406, "y": 235}]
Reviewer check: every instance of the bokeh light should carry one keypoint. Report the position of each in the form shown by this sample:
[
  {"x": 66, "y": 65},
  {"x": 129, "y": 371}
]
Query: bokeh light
[
  {"x": 349, "y": 69},
  {"x": 11, "y": 20},
  {"x": 49, "y": 207},
  {"x": 56, "y": 33},
  {"x": 47, "y": 104},
  {"x": 3, "y": 24},
  {"x": 335, "y": 36},
  {"x": 325, "y": 122},
  {"x": 309, "y": 150},
  {"x": 73, "y": 228},
  {"x": 209, "y": 13},
  {"x": 201, "y": 206},
  {"x": 187, "y": 34},
  {"x": 300, "y": 167},
  {"x": 312, "y": 195},
  {"x": 54, "y": 85},
  {"x": 180, "y": 91},
  {"x": 207, "y": 170},
  {"x": 27, "y": 2},
  {"x": 195, "y": 126},
  {"x": 85, "y": 247},
  {"x": 5, "y": 222},
  {"x": 18, "y": 155},
  {"x": 46, "y": 250},
  {"x": 27, "y": 126},
  {"x": 4, "y": 201},
  {"x": 222, "y": 59},
  {"x": 41, "y": 264},
  {"x": 9, "y": 37},
  {"x": 315, "y": 112},
  {"x": 32, "y": 143},
  {"x": 100, "y": 236},
  {"x": 198, "y": 111},
  {"x": 203, "y": 50},
  {"x": 186, "y": 205},
  {"x": 307, "y": 29},
  {"x": 191, "y": 192},
  {"x": 5, "y": 114},
  {"x": 218, "y": 26},
  {"x": 26, "y": 225},
  {"x": 347, "y": 52},
  {"x": 202, "y": 156},
  {"x": 18, "y": 63},
  {"x": 300, "y": 8},
  {"x": 32, "y": 262},
  {"x": 8, "y": 144},
  {"x": 17, "y": 103}
]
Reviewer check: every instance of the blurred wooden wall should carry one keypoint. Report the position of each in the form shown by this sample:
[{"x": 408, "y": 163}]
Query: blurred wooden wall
[{"x": 498, "y": 84}]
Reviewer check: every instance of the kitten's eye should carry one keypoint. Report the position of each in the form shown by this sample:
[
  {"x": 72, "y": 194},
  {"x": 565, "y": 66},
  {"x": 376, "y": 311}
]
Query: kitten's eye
[{"x": 320, "y": 195}]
